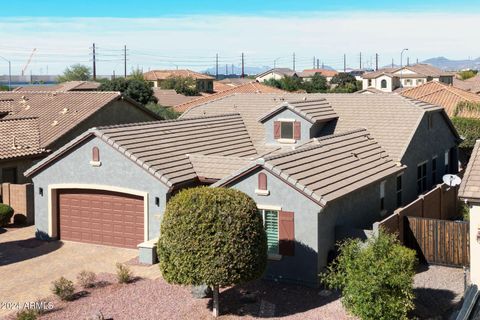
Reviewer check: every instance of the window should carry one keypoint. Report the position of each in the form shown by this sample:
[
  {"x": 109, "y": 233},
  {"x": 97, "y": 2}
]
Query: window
[
  {"x": 157, "y": 201},
  {"x": 369, "y": 82},
  {"x": 399, "y": 190},
  {"x": 382, "y": 195},
  {"x": 40, "y": 191},
  {"x": 270, "y": 222},
  {"x": 408, "y": 82},
  {"x": 286, "y": 130},
  {"x": 434, "y": 170},
  {"x": 447, "y": 162},
  {"x": 419, "y": 82},
  {"x": 421, "y": 178},
  {"x": 9, "y": 175},
  {"x": 383, "y": 84}
]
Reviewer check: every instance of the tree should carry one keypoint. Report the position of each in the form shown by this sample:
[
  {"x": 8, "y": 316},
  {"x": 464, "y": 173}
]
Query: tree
[
  {"x": 286, "y": 83},
  {"x": 212, "y": 236},
  {"x": 318, "y": 83},
  {"x": 138, "y": 90},
  {"x": 376, "y": 277},
  {"x": 136, "y": 74},
  {"x": 164, "y": 112},
  {"x": 182, "y": 85},
  {"x": 467, "y": 74},
  {"x": 345, "y": 83},
  {"x": 76, "y": 72},
  {"x": 343, "y": 78}
]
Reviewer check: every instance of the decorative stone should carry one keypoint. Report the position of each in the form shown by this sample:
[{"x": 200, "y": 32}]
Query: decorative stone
[
  {"x": 201, "y": 292},
  {"x": 325, "y": 293}
]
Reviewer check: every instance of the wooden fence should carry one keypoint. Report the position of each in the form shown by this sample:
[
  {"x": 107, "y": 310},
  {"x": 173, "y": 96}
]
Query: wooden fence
[{"x": 437, "y": 241}]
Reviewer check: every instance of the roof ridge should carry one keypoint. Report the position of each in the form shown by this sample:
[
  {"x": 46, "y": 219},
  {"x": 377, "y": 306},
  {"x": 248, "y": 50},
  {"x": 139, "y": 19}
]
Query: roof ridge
[
  {"x": 62, "y": 91},
  {"x": 19, "y": 118}
]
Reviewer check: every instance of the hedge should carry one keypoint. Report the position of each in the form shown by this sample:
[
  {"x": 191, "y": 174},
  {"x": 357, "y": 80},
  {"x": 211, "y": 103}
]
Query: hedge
[
  {"x": 6, "y": 213},
  {"x": 469, "y": 129}
]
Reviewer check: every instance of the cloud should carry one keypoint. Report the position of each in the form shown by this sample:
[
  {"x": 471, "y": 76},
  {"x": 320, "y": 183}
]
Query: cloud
[{"x": 193, "y": 41}]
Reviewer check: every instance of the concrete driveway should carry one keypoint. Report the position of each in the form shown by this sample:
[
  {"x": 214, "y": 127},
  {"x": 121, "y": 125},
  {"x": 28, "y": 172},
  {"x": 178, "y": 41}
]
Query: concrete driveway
[{"x": 28, "y": 266}]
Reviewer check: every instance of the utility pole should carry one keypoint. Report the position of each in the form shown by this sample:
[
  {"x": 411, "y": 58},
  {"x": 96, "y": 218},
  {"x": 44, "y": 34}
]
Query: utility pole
[
  {"x": 216, "y": 66},
  {"x": 344, "y": 63},
  {"x": 113, "y": 75},
  {"x": 323, "y": 65},
  {"x": 9, "y": 73},
  {"x": 294, "y": 61},
  {"x": 360, "y": 61},
  {"x": 408, "y": 61},
  {"x": 226, "y": 69},
  {"x": 94, "y": 64},
  {"x": 318, "y": 63},
  {"x": 243, "y": 65},
  {"x": 376, "y": 61},
  {"x": 125, "y": 61},
  {"x": 233, "y": 69},
  {"x": 393, "y": 63},
  {"x": 313, "y": 62},
  {"x": 417, "y": 60}
]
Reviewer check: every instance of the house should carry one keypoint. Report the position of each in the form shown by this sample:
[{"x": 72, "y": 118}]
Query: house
[
  {"x": 170, "y": 98},
  {"x": 470, "y": 193},
  {"x": 307, "y": 74},
  {"x": 446, "y": 96},
  {"x": 248, "y": 87},
  {"x": 34, "y": 124},
  {"x": 65, "y": 86},
  {"x": 203, "y": 82},
  {"x": 275, "y": 73},
  {"x": 395, "y": 79},
  {"x": 319, "y": 166}
]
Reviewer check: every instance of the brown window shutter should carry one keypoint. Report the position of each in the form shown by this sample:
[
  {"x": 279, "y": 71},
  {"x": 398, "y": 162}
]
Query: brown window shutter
[
  {"x": 276, "y": 129},
  {"x": 286, "y": 226},
  {"x": 95, "y": 154},
  {"x": 297, "y": 130},
  {"x": 262, "y": 181}
]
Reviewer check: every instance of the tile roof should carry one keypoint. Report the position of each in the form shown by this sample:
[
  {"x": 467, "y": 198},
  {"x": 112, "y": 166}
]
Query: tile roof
[
  {"x": 445, "y": 96},
  {"x": 154, "y": 75},
  {"x": 317, "y": 110},
  {"x": 20, "y": 137},
  {"x": 283, "y": 71},
  {"x": 65, "y": 86},
  {"x": 470, "y": 186},
  {"x": 250, "y": 87},
  {"x": 390, "y": 118},
  {"x": 216, "y": 167},
  {"x": 343, "y": 163},
  {"x": 472, "y": 84},
  {"x": 421, "y": 69},
  {"x": 311, "y": 72},
  {"x": 170, "y": 98},
  {"x": 57, "y": 112}
]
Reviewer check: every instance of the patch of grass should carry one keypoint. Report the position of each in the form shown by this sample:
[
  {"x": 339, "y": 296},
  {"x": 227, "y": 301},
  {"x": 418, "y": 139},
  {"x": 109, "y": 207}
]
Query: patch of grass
[
  {"x": 124, "y": 274},
  {"x": 26, "y": 314}
]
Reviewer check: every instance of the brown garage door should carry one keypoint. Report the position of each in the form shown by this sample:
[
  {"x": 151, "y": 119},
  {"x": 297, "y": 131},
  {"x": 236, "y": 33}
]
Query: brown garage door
[{"x": 103, "y": 217}]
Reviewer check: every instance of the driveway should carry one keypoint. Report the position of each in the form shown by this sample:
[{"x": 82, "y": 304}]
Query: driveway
[{"x": 28, "y": 266}]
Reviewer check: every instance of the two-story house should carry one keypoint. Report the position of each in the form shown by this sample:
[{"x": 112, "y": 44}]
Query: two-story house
[{"x": 204, "y": 83}]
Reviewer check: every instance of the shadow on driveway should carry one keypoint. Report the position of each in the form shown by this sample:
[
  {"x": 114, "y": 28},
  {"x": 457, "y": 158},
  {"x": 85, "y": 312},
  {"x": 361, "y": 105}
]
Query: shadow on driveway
[
  {"x": 433, "y": 303},
  {"x": 20, "y": 250}
]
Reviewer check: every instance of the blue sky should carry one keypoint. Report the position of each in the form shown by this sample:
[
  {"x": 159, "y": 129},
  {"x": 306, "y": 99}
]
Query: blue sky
[{"x": 188, "y": 34}]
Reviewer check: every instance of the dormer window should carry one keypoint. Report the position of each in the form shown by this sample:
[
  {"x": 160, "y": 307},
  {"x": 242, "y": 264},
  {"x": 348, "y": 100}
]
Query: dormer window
[
  {"x": 287, "y": 130},
  {"x": 95, "y": 157}
]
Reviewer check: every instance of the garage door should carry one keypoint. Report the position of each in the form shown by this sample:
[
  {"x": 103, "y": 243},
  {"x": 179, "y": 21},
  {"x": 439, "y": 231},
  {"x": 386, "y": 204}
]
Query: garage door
[{"x": 103, "y": 217}]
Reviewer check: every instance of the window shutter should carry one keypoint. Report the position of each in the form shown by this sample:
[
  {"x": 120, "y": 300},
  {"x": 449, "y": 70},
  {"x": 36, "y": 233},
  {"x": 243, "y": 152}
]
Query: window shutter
[
  {"x": 286, "y": 233},
  {"x": 297, "y": 130},
  {"x": 262, "y": 181},
  {"x": 276, "y": 129}
]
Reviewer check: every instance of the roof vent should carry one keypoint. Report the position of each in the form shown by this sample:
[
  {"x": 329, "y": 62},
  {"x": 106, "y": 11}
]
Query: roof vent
[
  {"x": 355, "y": 155},
  {"x": 305, "y": 98},
  {"x": 27, "y": 107},
  {"x": 54, "y": 123},
  {"x": 64, "y": 111}
]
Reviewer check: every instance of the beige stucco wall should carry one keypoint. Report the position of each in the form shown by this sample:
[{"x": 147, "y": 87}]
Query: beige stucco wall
[
  {"x": 474, "y": 244},
  {"x": 268, "y": 76}
]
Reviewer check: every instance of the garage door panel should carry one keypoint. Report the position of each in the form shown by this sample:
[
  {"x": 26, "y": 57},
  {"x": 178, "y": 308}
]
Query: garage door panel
[{"x": 102, "y": 217}]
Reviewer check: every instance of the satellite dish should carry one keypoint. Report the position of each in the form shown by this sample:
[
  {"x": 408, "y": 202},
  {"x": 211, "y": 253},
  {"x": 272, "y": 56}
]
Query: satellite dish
[{"x": 451, "y": 180}]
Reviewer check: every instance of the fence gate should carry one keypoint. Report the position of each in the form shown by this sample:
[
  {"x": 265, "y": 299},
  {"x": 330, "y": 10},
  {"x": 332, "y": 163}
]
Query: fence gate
[{"x": 441, "y": 242}]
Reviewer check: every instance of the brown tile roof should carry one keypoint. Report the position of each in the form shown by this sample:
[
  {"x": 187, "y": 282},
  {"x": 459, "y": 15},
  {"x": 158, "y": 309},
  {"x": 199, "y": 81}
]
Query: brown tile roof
[
  {"x": 220, "y": 86},
  {"x": 234, "y": 81},
  {"x": 343, "y": 163},
  {"x": 318, "y": 110},
  {"x": 472, "y": 84},
  {"x": 311, "y": 72},
  {"x": 170, "y": 98},
  {"x": 57, "y": 112},
  {"x": 251, "y": 87},
  {"x": 443, "y": 95},
  {"x": 20, "y": 137},
  {"x": 390, "y": 118},
  {"x": 216, "y": 167},
  {"x": 470, "y": 186},
  {"x": 154, "y": 75},
  {"x": 421, "y": 69},
  {"x": 283, "y": 71},
  {"x": 65, "y": 86}
]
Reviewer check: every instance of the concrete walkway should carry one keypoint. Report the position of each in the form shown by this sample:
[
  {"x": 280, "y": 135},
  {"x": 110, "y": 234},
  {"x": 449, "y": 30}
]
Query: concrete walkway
[{"x": 28, "y": 266}]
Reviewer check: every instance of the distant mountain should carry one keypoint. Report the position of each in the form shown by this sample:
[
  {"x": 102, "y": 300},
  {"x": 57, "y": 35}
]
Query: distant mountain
[
  {"x": 453, "y": 65},
  {"x": 249, "y": 70}
]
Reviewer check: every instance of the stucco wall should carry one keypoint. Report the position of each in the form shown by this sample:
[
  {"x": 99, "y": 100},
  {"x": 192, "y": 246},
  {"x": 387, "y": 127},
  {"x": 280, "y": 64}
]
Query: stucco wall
[
  {"x": 115, "y": 170},
  {"x": 426, "y": 144},
  {"x": 22, "y": 165},
  {"x": 303, "y": 266},
  {"x": 474, "y": 244},
  {"x": 287, "y": 114}
]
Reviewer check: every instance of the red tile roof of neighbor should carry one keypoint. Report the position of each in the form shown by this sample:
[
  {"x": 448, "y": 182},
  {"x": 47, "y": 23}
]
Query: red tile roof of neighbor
[
  {"x": 422, "y": 70},
  {"x": 472, "y": 84},
  {"x": 311, "y": 72},
  {"x": 154, "y": 75},
  {"x": 445, "y": 96},
  {"x": 251, "y": 87},
  {"x": 65, "y": 86}
]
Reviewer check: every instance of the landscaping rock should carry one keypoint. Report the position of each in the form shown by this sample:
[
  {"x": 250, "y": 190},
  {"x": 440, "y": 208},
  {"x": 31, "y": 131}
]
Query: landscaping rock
[
  {"x": 97, "y": 316},
  {"x": 201, "y": 292},
  {"x": 249, "y": 297},
  {"x": 325, "y": 293}
]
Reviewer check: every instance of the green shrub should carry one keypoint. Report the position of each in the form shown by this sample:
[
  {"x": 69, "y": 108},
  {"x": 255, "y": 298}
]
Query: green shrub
[
  {"x": 376, "y": 277},
  {"x": 124, "y": 274},
  {"x": 166, "y": 113},
  {"x": 26, "y": 314},
  {"x": 86, "y": 279},
  {"x": 469, "y": 129},
  {"x": 63, "y": 288},
  {"x": 6, "y": 213}
]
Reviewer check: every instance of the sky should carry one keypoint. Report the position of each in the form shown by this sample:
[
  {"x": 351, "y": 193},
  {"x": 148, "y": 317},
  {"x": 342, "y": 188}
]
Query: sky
[{"x": 188, "y": 34}]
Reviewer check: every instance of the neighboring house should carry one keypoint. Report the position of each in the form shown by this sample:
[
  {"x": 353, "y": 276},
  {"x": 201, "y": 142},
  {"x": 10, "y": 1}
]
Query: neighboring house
[
  {"x": 446, "y": 96},
  {"x": 170, "y": 98},
  {"x": 203, "y": 82},
  {"x": 395, "y": 79},
  {"x": 33, "y": 124},
  {"x": 276, "y": 73},
  {"x": 319, "y": 166},
  {"x": 249, "y": 87},
  {"x": 65, "y": 86},
  {"x": 470, "y": 193},
  {"x": 471, "y": 85},
  {"x": 307, "y": 74}
]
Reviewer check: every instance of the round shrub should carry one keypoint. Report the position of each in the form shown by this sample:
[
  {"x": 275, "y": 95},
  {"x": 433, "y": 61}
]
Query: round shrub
[
  {"x": 212, "y": 236},
  {"x": 6, "y": 213}
]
